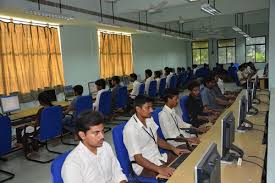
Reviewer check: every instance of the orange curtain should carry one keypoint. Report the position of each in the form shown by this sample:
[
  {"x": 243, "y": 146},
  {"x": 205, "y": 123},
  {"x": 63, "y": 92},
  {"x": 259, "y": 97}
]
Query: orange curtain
[
  {"x": 115, "y": 55},
  {"x": 30, "y": 58}
]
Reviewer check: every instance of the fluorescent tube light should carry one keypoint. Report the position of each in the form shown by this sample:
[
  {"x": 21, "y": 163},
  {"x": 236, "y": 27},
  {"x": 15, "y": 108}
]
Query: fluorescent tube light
[
  {"x": 210, "y": 9},
  {"x": 237, "y": 29},
  {"x": 49, "y": 14}
]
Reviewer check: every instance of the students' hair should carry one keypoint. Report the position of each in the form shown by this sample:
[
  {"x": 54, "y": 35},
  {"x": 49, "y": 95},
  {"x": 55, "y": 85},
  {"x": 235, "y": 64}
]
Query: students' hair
[
  {"x": 170, "y": 93},
  {"x": 207, "y": 80},
  {"x": 193, "y": 84},
  {"x": 87, "y": 119},
  {"x": 148, "y": 72},
  {"x": 172, "y": 69},
  {"x": 44, "y": 99},
  {"x": 101, "y": 82},
  {"x": 167, "y": 70},
  {"x": 179, "y": 69},
  {"x": 157, "y": 74},
  {"x": 194, "y": 66},
  {"x": 182, "y": 69},
  {"x": 134, "y": 76},
  {"x": 141, "y": 100},
  {"x": 78, "y": 89},
  {"x": 116, "y": 79},
  {"x": 189, "y": 68}
]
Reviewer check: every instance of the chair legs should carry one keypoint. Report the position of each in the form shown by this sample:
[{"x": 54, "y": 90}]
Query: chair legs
[
  {"x": 66, "y": 143},
  {"x": 107, "y": 129},
  {"x": 9, "y": 174}
]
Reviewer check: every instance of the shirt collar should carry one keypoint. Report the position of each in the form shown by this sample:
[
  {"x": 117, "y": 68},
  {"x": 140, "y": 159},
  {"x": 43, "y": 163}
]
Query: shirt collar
[
  {"x": 90, "y": 154},
  {"x": 168, "y": 109},
  {"x": 138, "y": 122}
]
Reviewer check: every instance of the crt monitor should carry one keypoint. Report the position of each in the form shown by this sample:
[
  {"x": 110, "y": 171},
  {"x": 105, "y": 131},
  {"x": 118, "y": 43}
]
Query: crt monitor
[
  {"x": 92, "y": 88},
  {"x": 208, "y": 169},
  {"x": 68, "y": 91},
  {"x": 10, "y": 104},
  {"x": 51, "y": 94}
]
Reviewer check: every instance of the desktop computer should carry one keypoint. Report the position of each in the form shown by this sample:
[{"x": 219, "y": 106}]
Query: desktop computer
[
  {"x": 68, "y": 91},
  {"x": 10, "y": 104},
  {"x": 249, "y": 108},
  {"x": 92, "y": 88},
  {"x": 229, "y": 152},
  {"x": 51, "y": 94},
  {"x": 242, "y": 123},
  {"x": 208, "y": 169}
]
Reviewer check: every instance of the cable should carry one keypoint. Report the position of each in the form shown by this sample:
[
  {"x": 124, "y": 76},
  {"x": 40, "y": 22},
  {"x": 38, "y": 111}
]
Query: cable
[
  {"x": 256, "y": 157},
  {"x": 258, "y": 130},
  {"x": 257, "y": 125},
  {"x": 255, "y": 164}
]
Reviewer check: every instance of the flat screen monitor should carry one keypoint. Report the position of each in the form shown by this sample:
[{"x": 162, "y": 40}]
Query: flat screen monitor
[
  {"x": 126, "y": 81},
  {"x": 68, "y": 91},
  {"x": 51, "y": 94},
  {"x": 242, "y": 112},
  {"x": 208, "y": 169},
  {"x": 10, "y": 104},
  {"x": 249, "y": 99},
  {"x": 92, "y": 88}
]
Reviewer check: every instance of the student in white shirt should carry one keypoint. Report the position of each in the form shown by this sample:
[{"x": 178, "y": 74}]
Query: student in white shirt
[
  {"x": 149, "y": 78},
  {"x": 157, "y": 78},
  {"x": 136, "y": 85},
  {"x": 142, "y": 142},
  {"x": 93, "y": 159},
  {"x": 100, "y": 85},
  {"x": 168, "y": 75},
  {"x": 241, "y": 76},
  {"x": 171, "y": 123}
]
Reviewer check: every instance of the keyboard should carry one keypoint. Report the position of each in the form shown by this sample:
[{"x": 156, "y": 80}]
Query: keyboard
[{"x": 179, "y": 160}]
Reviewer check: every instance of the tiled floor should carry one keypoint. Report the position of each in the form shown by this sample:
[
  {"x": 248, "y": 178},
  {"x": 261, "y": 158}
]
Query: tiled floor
[{"x": 30, "y": 172}]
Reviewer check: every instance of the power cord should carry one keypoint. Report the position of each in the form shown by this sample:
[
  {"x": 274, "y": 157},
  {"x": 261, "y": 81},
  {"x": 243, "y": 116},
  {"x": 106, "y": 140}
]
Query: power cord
[
  {"x": 255, "y": 164},
  {"x": 258, "y": 130},
  {"x": 256, "y": 157}
]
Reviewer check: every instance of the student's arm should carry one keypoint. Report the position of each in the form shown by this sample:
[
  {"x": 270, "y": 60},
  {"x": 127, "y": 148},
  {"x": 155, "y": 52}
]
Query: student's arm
[
  {"x": 71, "y": 173},
  {"x": 164, "y": 145}
]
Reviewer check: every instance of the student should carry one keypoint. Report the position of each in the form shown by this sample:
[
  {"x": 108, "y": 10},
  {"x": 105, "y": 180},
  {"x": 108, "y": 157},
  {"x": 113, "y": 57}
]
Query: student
[
  {"x": 171, "y": 123},
  {"x": 265, "y": 70},
  {"x": 198, "y": 113},
  {"x": 30, "y": 132},
  {"x": 148, "y": 79},
  {"x": 93, "y": 159},
  {"x": 100, "y": 86},
  {"x": 168, "y": 75},
  {"x": 78, "y": 91},
  {"x": 136, "y": 85},
  {"x": 115, "y": 87},
  {"x": 157, "y": 78},
  {"x": 195, "y": 68},
  {"x": 142, "y": 142},
  {"x": 219, "y": 88},
  {"x": 179, "y": 71},
  {"x": 241, "y": 76}
]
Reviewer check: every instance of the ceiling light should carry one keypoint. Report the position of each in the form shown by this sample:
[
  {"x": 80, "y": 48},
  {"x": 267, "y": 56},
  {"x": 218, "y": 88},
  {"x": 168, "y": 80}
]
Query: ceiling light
[
  {"x": 210, "y": 9},
  {"x": 237, "y": 29},
  {"x": 184, "y": 38},
  {"x": 193, "y": 0},
  {"x": 167, "y": 35},
  {"x": 49, "y": 14},
  {"x": 142, "y": 31}
]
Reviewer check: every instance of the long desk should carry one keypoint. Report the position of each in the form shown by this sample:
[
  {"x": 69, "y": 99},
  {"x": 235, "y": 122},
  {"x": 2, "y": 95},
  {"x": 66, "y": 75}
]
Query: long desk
[{"x": 250, "y": 142}]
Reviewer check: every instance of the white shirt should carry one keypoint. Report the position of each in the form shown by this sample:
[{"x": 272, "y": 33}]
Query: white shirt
[
  {"x": 135, "y": 90},
  {"x": 83, "y": 166},
  {"x": 141, "y": 140},
  {"x": 147, "y": 84},
  {"x": 195, "y": 70},
  {"x": 168, "y": 79},
  {"x": 158, "y": 82},
  {"x": 221, "y": 85},
  {"x": 241, "y": 77},
  {"x": 170, "y": 123},
  {"x": 96, "y": 103}
]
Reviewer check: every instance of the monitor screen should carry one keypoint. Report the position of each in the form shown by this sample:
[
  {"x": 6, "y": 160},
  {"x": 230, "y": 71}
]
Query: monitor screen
[
  {"x": 92, "y": 88},
  {"x": 68, "y": 91},
  {"x": 10, "y": 104},
  {"x": 242, "y": 111},
  {"x": 51, "y": 94},
  {"x": 208, "y": 169},
  {"x": 249, "y": 99},
  {"x": 227, "y": 133},
  {"x": 254, "y": 90}
]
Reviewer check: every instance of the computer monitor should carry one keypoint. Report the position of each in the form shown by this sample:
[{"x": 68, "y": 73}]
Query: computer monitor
[
  {"x": 208, "y": 169},
  {"x": 139, "y": 77},
  {"x": 126, "y": 80},
  {"x": 227, "y": 139},
  {"x": 249, "y": 106},
  {"x": 68, "y": 91},
  {"x": 92, "y": 88},
  {"x": 51, "y": 94},
  {"x": 243, "y": 124},
  {"x": 10, "y": 104}
]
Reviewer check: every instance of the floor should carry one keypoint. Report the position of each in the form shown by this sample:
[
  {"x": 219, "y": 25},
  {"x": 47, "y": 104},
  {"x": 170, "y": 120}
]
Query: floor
[{"x": 30, "y": 172}]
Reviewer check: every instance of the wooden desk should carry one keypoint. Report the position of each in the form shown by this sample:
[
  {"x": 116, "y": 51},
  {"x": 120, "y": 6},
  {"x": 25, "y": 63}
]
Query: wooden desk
[{"x": 250, "y": 142}]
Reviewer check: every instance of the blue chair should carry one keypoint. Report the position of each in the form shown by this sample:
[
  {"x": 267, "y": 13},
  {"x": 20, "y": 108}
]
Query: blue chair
[
  {"x": 141, "y": 89},
  {"x": 162, "y": 85},
  {"x": 235, "y": 77},
  {"x": 50, "y": 128},
  {"x": 105, "y": 106},
  {"x": 185, "y": 114},
  {"x": 83, "y": 103},
  {"x": 173, "y": 82},
  {"x": 56, "y": 167},
  {"x": 122, "y": 98},
  {"x": 5, "y": 143},
  {"x": 123, "y": 157},
  {"x": 152, "y": 89}
]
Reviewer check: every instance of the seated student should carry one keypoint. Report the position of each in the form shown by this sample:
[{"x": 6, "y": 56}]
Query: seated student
[
  {"x": 183, "y": 70},
  {"x": 157, "y": 78},
  {"x": 148, "y": 79},
  {"x": 115, "y": 87},
  {"x": 142, "y": 142},
  {"x": 219, "y": 88},
  {"x": 242, "y": 76},
  {"x": 198, "y": 113},
  {"x": 100, "y": 86},
  {"x": 179, "y": 71},
  {"x": 195, "y": 68},
  {"x": 265, "y": 70},
  {"x": 168, "y": 75},
  {"x": 252, "y": 67},
  {"x": 171, "y": 123},
  {"x": 209, "y": 99},
  {"x": 136, "y": 85},
  {"x": 93, "y": 159},
  {"x": 31, "y": 131}
]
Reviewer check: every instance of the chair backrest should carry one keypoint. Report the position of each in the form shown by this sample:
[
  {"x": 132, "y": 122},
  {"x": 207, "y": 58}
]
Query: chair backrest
[
  {"x": 56, "y": 167},
  {"x": 141, "y": 89},
  {"x": 202, "y": 72},
  {"x": 173, "y": 82},
  {"x": 50, "y": 123},
  {"x": 235, "y": 76},
  {"x": 152, "y": 89},
  {"x": 5, "y": 135},
  {"x": 155, "y": 115},
  {"x": 83, "y": 103},
  {"x": 162, "y": 85},
  {"x": 105, "y": 103},
  {"x": 122, "y": 97},
  {"x": 185, "y": 114},
  {"x": 121, "y": 151}
]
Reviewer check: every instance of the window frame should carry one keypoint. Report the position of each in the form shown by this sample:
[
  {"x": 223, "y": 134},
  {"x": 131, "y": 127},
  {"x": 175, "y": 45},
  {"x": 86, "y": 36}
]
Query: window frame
[
  {"x": 226, "y": 50},
  {"x": 200, "y": 51},
  {"x": 254, "y": 45}
]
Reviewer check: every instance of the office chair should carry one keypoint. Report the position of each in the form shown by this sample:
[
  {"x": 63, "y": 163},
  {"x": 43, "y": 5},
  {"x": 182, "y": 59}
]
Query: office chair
[
  {"x": 123, "y": 157},
  {"x": 121, "y": 98},
  {"x": 141, "y": 89},
  {"x": 83, "y": 103},
  {"x": 173, "y": 82},
  {"x": 56, "y": 167},
  {"x": 5, "y": 144},
  {"x": 105, "y": 106},
  {"x": 185, "y": 115},
  {"x": 162, "y": 85},
  {"x": 152, "y": 89}
]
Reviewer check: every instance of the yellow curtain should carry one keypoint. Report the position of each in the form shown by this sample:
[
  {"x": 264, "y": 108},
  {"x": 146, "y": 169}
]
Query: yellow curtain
[
  {"x": 30, "y": 58},
  {"x": 115, "y": 55}
]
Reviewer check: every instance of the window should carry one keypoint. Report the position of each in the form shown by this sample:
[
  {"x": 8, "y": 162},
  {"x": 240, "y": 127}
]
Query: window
[
  {"x": 200, "y": 52},
  {"x": 226, "y": 51},
  {"x": 255, "y": 49}
]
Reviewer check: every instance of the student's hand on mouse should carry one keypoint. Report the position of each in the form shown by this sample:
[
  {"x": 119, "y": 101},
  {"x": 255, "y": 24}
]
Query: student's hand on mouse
[
  {"x": 194, "y": 140},
  {"x": 178, "y": 151},
  {"x": 203, "y": 129},
  {"x": 166, "y": 171}
]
